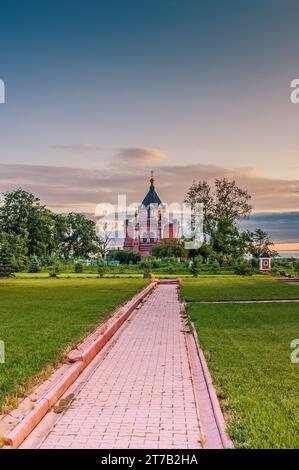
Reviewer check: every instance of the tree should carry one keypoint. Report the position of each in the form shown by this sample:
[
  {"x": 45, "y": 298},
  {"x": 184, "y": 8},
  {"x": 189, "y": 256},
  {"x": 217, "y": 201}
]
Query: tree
[
  {"x": 215, "y": 267},
  {"x": 20, "y": 251},
  {"x": 169, "y": 248},
  {"x": 54, "y": 269},
  {"x": 259, "y": 242},
  {"x": 195, "y": 267},
  {"x": 23, "y": 215},
  {"x": 105, "y": 237},
  {"x": 227, "y": 202},
  {"x": 227, "y": 239},
  {"x": 18, "y": 247},
  {"x": 33, "y": 266},
  {"x": 81, "y": 239},
  {"x": 231, "y": 202},
  {"x": 205, "y": 251},
  {"x": 201, "y": 193},
  {"x": 60, "y": 232},
  {"x": 6, "y": 259},
  {"x": 223, "y": 209}
]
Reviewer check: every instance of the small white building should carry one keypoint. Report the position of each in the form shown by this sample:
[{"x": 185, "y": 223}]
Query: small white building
[{"x": 265, "y": 263}]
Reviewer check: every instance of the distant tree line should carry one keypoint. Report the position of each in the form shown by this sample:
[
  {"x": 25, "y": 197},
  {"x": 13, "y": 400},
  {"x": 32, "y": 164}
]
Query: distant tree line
[{"x": 29, "y": 231}]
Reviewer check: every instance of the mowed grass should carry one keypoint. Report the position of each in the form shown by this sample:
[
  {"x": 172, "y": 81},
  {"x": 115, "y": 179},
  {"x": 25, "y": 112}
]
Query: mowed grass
[
  {"x": 40, "y": 319},
  {"x": 237, "y": 288},
  {"x": 248, "y": 352}
]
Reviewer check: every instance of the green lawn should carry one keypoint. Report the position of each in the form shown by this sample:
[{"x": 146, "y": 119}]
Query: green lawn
[
  {"x": 40, "y": 318},
  {"x": 237, "y": 288},
  {"x": 248, "y": 351}
]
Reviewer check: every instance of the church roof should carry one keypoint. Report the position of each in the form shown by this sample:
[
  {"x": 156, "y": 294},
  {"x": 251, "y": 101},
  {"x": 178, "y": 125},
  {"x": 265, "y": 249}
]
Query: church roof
[
  {"x": 265, "y": 255},
  {"x": 151, "y": 197}
]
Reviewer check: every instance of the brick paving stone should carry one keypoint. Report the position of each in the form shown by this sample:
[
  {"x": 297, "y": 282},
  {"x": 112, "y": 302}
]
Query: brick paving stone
[{"x": 141, "y": 394}]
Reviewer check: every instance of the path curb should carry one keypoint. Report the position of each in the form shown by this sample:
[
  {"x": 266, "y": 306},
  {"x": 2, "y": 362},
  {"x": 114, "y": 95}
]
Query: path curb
[
  {"x": 226, "y": 441},
  {"x": 80, "y": 361},
  {"x": 90, "y": 351},
  {"x": 169, "y": 281}
]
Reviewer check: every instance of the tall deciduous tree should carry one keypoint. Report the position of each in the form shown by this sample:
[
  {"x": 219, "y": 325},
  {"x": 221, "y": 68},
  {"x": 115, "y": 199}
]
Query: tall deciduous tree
[
  {"x": 259, "y": 242},
  {"x": 60, "y": 232},
  {"x": 200, "y": 193},
  {"x": 231, "y": 202},
  {"x": 223, "y": 207},
  {"x": 227, "y": 239},
  {"x": 227, "y": 202},
  {"x": 23, "y": 215},
  {"x": 81, "y": 239},
  {"x": 33, "y": 230}
]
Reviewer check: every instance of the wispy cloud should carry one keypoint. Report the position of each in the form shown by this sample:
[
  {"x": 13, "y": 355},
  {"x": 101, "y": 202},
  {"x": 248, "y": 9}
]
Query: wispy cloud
[{"x": 140, "y": 156}]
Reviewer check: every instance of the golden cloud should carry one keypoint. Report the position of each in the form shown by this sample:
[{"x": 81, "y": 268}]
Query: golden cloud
[{"x": 140, "y": 156}]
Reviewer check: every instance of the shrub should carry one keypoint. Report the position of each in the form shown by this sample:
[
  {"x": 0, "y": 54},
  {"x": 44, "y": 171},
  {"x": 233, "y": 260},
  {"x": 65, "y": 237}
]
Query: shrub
[
  {"x": 78, "y": 268},
  {"x": 101, "y": 267},
  {"x": 296, "y": 267},
  {"x": 254, "y": 262},
  {"x": 146, "y": 264},
  {"x": 196, "y": 266},
  {"x": 274, "y": 271},
  {"x": 46, "y": 261},
  {"x": 154, "y": 262},
  {"x": 33, "y": 265},
  {"x": 215, "y": 267},
  {"x": 171, "y": 269},
  {"x": 124, "y": 256},
  {"x": 244, "y": 268},
  {"x": 169, "y": 248},
  {"x": 55, "y": 269}
]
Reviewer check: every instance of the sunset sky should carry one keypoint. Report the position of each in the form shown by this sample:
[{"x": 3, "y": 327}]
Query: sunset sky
[{"x": 98, "y": 93}]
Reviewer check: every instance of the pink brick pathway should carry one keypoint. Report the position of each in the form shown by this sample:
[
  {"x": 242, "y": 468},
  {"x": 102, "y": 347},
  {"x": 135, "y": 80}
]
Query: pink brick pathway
[{"x": 141, "y": 394}]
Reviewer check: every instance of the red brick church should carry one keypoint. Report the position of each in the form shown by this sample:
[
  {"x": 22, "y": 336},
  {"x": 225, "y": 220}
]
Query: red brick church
[{"x": 150, "y": 224}]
